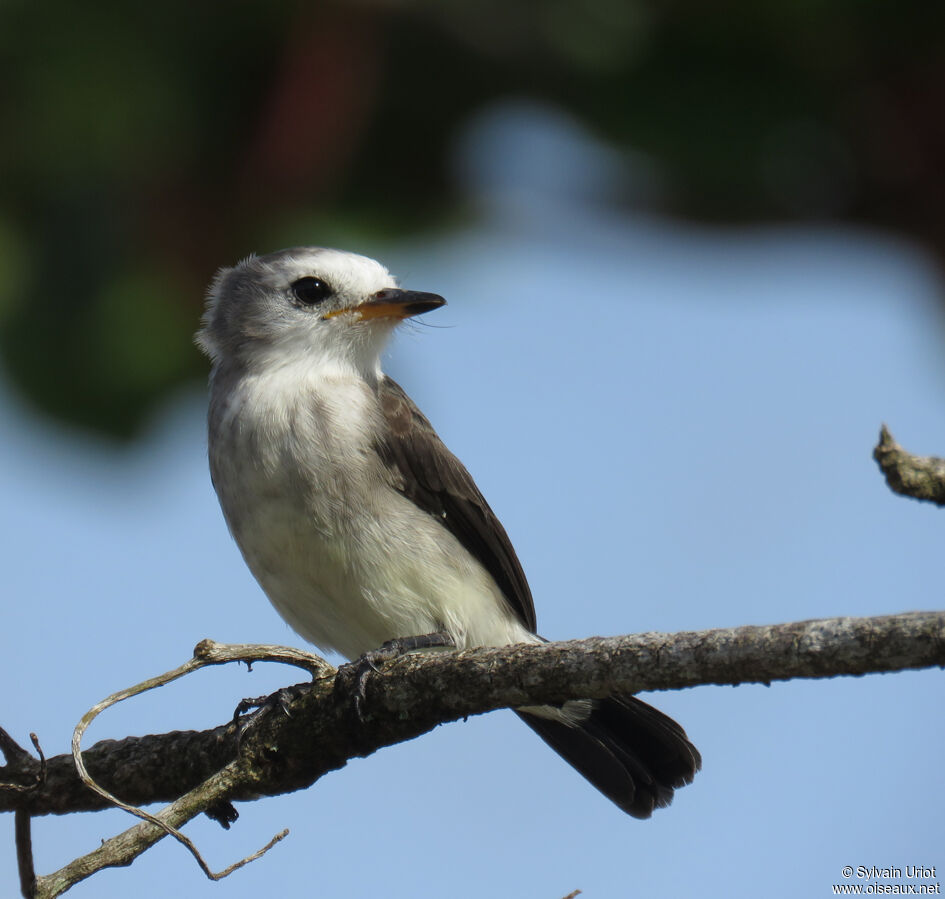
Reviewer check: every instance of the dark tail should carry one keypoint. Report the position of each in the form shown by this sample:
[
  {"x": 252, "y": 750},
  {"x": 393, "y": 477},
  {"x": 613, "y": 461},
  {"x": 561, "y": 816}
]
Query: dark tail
[{"x": 635, "y": 755}]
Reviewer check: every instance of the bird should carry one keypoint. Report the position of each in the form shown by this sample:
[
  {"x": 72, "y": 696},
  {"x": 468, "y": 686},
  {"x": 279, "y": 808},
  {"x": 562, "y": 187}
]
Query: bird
[{"x": 358, "y": 523}]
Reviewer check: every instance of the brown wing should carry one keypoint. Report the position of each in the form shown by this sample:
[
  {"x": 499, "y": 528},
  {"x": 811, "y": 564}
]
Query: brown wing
[
  {"x": 632, "y": 753},
  {"x": 431, "y": 477}
]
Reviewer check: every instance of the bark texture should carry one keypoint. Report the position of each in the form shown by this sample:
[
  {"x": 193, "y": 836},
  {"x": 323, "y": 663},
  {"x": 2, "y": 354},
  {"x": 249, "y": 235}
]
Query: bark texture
[
  {"x": 921, "y": 477},
  {"x": 281, "y": 752}
]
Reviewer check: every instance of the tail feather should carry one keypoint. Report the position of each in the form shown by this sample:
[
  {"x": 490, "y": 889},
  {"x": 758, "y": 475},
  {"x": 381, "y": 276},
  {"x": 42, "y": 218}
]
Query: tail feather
[{"x": 633, "y": 753}]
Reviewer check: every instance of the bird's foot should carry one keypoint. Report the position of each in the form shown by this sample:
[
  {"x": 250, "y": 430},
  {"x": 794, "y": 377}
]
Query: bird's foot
[
  {"x": 353, "y": 675},
  {"x": 262, "y": 705}
]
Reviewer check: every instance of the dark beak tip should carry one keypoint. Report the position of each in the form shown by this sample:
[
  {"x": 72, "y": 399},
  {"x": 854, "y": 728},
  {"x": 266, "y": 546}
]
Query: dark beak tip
[
  {"x": 399, "y": 295},
  {"x": 424, "y": 306},
  {"x": 401, "y": 303},
  {"x": 416, "y": 302}
]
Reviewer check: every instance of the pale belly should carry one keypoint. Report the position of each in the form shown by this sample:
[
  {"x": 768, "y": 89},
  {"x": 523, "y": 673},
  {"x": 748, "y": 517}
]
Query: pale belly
[
  {"x": 375, "y": 570},
  {"x": 346, "y": 560}
]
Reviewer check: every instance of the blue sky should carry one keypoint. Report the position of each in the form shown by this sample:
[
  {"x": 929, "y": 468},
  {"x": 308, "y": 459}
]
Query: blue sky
[{"x": 675, "y": 425}]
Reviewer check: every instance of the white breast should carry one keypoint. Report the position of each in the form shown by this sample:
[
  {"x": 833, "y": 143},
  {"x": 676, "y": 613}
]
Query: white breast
[{"x": 344, "y": 558}]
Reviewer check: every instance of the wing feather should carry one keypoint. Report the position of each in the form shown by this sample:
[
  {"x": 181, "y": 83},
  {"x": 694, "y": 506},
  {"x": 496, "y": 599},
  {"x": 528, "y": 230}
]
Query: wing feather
[
  {"x": 431, "y": 477},
  {"x": 631, "y": 752}
]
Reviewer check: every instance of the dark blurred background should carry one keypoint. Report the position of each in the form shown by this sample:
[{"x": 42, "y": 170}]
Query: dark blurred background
[{"x": 144, "y": 145}]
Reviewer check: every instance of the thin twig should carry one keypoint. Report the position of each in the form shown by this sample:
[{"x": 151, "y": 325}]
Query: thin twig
[
  {"x": 207, "y": 652},
  {"x": 188, "y": 667},
  {"x": 212, "y": 653},
  {"x": 122, "y": 849},
  {"x": 41, "y": 776},
  {"x": 251, "y": 858}
]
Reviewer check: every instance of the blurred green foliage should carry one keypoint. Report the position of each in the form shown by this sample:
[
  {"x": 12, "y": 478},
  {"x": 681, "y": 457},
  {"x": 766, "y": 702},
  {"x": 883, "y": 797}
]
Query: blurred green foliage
[{"x": 144, "y": 145}]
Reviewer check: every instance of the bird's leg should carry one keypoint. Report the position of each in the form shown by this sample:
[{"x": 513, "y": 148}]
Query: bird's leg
[
  {"x": 399, "y": 645},
  {"x": 361, "y": 668}
]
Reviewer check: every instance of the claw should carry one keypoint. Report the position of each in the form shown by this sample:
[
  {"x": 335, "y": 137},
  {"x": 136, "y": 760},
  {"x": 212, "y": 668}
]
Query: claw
[
  {"x": 263, "y": 705},
  {"x": 360, "y": 669},
  {"x": 246, "y": 704}
]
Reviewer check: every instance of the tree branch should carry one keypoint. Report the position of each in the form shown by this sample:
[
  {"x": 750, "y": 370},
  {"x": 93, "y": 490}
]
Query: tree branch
[
  {"x": 280, "y": 752},
  {"x": 311, "y": 728},
  {"x": 921, "y": 477}
]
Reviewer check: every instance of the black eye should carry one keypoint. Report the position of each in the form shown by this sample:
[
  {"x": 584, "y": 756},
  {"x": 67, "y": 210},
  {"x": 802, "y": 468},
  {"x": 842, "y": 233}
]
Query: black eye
[{"x": 310, "y": 291}]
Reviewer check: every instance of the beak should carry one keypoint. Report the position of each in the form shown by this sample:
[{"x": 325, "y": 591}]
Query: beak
[{"x": 394, "y": 303}]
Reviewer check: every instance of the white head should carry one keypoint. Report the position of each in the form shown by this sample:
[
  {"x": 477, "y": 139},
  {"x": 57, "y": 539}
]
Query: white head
[{"x": 328, "y": 305}]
